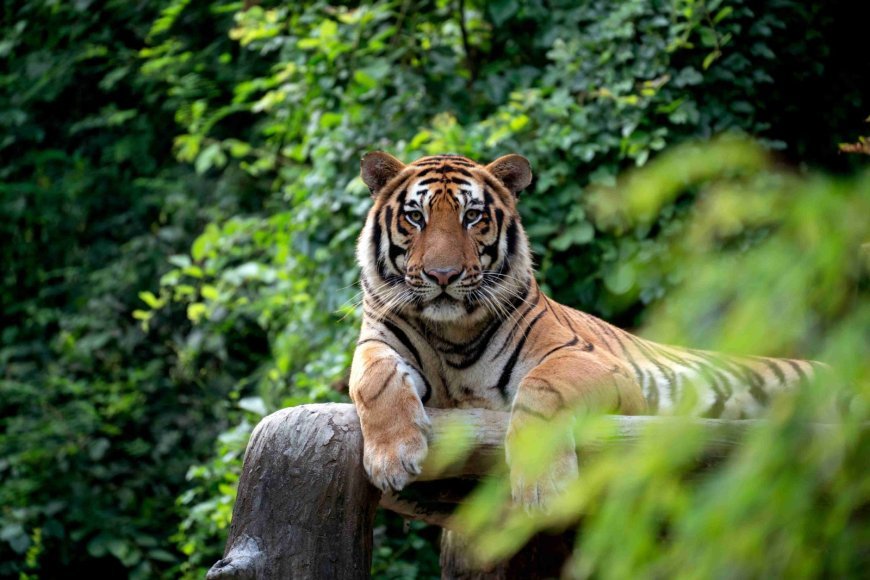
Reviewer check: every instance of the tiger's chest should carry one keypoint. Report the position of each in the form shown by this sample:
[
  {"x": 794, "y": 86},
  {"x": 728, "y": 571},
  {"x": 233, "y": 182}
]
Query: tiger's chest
[{"x": 484, "y": 376}]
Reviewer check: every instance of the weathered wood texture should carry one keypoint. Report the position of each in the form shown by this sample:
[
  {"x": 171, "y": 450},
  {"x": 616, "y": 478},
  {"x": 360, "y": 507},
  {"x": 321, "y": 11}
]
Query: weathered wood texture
[
  {"x": 543, "y": 556},
  {"x": 305, "y": 508}
]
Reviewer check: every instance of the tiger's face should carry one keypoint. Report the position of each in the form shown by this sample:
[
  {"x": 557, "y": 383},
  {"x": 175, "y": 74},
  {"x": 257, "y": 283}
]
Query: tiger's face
[{"x": 443, "y": 240}]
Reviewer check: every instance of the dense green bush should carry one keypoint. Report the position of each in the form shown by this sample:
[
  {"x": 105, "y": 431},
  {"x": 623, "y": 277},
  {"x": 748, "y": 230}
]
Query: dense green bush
[
  {"x": 180, "y": 204},
  {"x": 100, "y": 421}
]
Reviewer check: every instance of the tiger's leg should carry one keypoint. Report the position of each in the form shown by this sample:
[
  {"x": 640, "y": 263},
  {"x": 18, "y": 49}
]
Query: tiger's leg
[
  {"x": 551, "y": 394},
  {"x": 386, "y": 391}
]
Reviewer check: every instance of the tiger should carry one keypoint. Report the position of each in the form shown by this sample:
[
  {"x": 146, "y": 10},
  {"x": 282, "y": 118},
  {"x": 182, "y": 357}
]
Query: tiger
[{"x": 453, "y": 317}]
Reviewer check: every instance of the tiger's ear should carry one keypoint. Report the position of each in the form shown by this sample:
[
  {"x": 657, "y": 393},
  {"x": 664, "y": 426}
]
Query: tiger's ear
[
  {"x": 378, "y": 168},
  {"x": 513, "y": 170}
]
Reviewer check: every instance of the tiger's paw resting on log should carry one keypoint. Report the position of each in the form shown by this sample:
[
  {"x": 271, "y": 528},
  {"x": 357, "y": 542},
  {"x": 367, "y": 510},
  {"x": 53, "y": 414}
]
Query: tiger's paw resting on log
[
  {"x": 568, "y": 383},
  {"x": 534, "y": 487},
  {"x": 453, "y": 318},
  {"x": 394, "y": 424}
]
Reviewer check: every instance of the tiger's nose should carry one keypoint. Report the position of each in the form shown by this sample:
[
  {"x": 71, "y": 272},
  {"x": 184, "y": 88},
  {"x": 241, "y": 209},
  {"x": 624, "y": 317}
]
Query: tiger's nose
[{"x": 444, "y": 276}]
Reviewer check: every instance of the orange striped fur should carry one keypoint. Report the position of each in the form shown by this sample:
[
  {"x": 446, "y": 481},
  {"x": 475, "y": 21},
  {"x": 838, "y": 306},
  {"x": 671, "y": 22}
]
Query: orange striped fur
[{"x": 453, "y": 317}]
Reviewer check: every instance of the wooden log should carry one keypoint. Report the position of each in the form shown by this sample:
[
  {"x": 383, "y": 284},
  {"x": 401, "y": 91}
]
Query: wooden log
[
  {"x": 305, "y": 508},
  {"x": 543, "y": 556},
  {"x": 486, "y": 431}
]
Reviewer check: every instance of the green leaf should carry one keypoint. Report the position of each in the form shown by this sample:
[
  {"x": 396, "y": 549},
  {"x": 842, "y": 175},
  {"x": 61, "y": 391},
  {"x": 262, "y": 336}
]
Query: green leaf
[
  {"x": 196, "y": 311},
  {"x": 723, "y": 14},
  {"x": 209, "y": 292},
  {"x": 620, "y": 279},
  {"x": 210, "y": 157},
  {"x": 151, "y": 300},
  {"x": 578, "y": 234},
  {"x": 710, "y": 59}
]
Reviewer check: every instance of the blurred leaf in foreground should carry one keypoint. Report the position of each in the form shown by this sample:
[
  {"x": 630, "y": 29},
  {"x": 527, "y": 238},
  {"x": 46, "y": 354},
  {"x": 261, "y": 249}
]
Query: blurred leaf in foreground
[{"x": 768, "y": 263}]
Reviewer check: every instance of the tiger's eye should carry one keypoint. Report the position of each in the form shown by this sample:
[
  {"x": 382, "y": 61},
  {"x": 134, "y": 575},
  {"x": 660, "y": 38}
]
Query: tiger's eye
[
  {"x": 472, "y": 215},
  {"x": 415, "y": 216}
]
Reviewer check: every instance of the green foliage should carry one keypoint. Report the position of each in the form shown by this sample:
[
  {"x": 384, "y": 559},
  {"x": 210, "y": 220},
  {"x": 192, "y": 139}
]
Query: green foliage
[
  {"x": 180, "y": 205},
  {"x": 791, "y": 502},
  {"x": 100, "y": 421}
]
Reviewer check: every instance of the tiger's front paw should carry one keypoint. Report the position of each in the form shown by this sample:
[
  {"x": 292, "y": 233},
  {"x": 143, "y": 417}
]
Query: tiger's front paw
[
  {"x": 542, "y": 462},
  {"x": 535, "y": 490},
  {"x": 393, "y": 459}
]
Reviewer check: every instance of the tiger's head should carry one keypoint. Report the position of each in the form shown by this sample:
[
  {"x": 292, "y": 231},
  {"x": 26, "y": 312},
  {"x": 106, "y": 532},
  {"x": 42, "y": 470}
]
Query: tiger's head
[{"x": 443, "y": 240}]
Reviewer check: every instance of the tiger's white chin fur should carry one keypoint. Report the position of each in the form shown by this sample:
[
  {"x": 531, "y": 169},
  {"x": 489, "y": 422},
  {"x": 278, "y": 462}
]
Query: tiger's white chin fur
[{"x": 444, "y": 311}]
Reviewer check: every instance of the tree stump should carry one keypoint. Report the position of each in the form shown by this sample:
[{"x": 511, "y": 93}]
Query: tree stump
[
  {"x": 305, "y": 508},
  {"x": 543, "y": 556}
]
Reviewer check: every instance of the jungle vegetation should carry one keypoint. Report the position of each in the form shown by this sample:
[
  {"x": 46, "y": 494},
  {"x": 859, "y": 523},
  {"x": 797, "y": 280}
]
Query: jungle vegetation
[{"x": 179, "y": 203}]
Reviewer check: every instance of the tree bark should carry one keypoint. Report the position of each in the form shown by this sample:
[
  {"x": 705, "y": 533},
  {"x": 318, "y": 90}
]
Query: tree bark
[
  {"x": 305, "y": 508},
  {"x": 543, "y": 556}
]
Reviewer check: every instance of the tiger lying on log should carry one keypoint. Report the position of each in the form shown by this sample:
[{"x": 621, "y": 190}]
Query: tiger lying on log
[{"x": 453, "y": 317}]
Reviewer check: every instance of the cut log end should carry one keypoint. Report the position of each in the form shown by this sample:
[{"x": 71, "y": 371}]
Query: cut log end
[{"x": 244, "y": 561}]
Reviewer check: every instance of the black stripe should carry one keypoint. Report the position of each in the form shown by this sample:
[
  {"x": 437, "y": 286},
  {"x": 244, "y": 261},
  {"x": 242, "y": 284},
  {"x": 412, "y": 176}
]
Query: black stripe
[
  {"x": 587, "y": 346},
  {"x": 528, "y": 411},
  {"x": 449, "y": 162},
  {"x": 723, "y": 366},
  {"x": 479, "y": 347},
  {"x": 706, "y": 370},
  {"x": 400, "y": 224},
  {"x": 493, "y": 183},
  {"x": 755, "y": 380},
  {"x": 715, "y": 410},
  {"x": 773, "y": 366},
  {"x": 668, "y": 373},
  {"x": 568, "y": 344},
  {"x": 626, "y": 356},
  {"x": 491, "y": 250},
  {"x": 383, "y": 387},
  {"x": 539, "y": 384},
  {"x": 426, "y": 172},
  {"x": 376, "y": 241},
  {"x": 567, "y": 316},
  {"x": 505, "y": 377},
  {"x": 393, "y": 250},
  {"x": 360, "y": 342},
  {"x": 427, "y": 391},
  {"x": 403, "y": 338},
  {"x": 450, "y": 348},
  {"x": 797, "y": 369},
  {"x": 599, "y": 324},
  {"x": 513, "y": 331},
  {"x": 401, "y": 186},
  {"x": 511, "y": 235},
  {"x": 714, "y": 375},
  {"x": 455, "y": 159},
  {"x": 369, "y": 294},
  {"x": 707, "y": 365}
]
